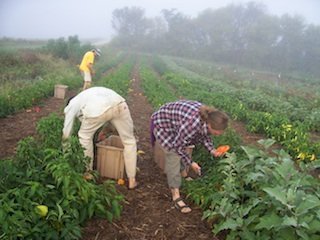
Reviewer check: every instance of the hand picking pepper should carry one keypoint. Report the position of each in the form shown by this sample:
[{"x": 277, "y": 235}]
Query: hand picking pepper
[{"x": 221, "y": 150}]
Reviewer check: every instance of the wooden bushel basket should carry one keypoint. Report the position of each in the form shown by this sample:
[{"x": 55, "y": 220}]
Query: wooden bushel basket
[
  {"x": 110, "y": 161},
  {"x": 60, "y": 91},
  {"x": 159, "y": 155}
]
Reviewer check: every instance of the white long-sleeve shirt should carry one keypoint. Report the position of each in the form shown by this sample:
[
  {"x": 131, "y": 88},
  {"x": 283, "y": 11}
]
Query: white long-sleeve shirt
[{"x": 89, "y": 103}]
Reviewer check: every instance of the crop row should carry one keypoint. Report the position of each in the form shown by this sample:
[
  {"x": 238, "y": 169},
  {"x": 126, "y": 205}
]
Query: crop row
[
  {"x": 288, "y": 88},
  {"x": 43, "y": 193},
  {"x": 292, "y": 135},
  {"x": 297, "y": 103},
  {"x": 248, "y": 194}
]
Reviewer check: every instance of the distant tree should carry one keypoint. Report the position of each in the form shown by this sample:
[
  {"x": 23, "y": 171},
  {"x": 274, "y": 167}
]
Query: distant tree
[
  {"x": 70, "y": 50},
  {"x": 236, "y": 34},
  {"x": 155, "y": 40},
  {"x": 311, "y": 53},
  {"x": 130, "y": 24},
  {"x": 289, "y": 48},
  {"x": 183, "y": 36},
  {"x": 57, "y": 47},
  {"x": 262, "y": 36},
  {"x": 231, "y": 31}
]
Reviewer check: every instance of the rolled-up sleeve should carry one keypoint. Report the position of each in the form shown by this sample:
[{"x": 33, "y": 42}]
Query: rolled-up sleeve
[
  {"x": 70, "y": 116},
  {"x": 207, "y": 142}
]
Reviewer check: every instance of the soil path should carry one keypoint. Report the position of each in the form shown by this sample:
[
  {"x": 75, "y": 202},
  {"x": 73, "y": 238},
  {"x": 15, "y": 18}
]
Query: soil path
[
  {"x": 23, "y": 124},
  {"x": 148, "y": 212}
]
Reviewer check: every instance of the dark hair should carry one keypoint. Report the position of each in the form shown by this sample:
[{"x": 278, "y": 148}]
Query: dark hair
[{"x": 218, "y": 120}]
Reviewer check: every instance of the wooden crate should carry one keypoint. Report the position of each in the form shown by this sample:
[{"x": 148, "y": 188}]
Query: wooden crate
[
  {"x": 60, "y": 91},
  {"x": 159, "y": 155},
  {"x": 110, "y": 160}
]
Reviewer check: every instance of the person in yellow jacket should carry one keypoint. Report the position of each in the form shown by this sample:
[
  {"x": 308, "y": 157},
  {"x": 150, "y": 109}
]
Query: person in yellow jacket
[{"x": 86, "y": 66}]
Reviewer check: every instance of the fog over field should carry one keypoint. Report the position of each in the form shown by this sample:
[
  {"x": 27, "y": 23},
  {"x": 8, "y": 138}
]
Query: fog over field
[{"x": 38, "y": 19}]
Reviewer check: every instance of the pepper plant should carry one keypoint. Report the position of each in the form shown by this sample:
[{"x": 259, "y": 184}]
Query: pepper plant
[
  {"x": 43, "y": 194},
  {"x": 253, "y": 195}
]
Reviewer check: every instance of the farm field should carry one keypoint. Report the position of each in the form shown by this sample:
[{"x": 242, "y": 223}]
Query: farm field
[
  {"x": 250, "y": 194},
  {"x": 153, "y": 193}
]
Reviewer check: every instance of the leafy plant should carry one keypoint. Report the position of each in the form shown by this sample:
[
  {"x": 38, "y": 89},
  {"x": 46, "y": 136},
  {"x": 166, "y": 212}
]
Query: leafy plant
[
  {"x": 43, "y": 192},
  {"x": 255, "y": 196}
]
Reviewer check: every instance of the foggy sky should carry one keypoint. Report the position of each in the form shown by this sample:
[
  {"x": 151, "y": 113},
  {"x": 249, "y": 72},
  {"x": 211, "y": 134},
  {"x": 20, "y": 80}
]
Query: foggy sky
[{"x": 43, "y": 19}]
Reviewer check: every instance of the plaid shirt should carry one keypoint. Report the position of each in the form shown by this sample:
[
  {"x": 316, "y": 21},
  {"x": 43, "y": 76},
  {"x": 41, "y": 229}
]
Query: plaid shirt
[{"x": 178, "y": 125}]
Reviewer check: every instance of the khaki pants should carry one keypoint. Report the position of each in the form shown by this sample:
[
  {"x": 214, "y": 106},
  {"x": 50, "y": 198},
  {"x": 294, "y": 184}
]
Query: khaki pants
[
  {"x": 86, "y": 85},
  {"x": 173, "y": 167},
  {"x": 87, "y": 80},
  {"x": 120, "y": 118}
]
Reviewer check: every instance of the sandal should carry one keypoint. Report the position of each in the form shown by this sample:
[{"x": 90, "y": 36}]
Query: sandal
[
  {"x": 180, "y": 208},
  {"x": 187, "y": 178},
  {"x": 135, "y": 186}
]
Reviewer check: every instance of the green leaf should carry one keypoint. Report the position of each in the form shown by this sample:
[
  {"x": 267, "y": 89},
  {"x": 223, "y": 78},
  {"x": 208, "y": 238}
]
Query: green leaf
[
  {"x": 302, "y": 234},
  {"x": 252, "y": 203},
  {"x": 269, "y": 221},
  {"x": 253, "y": 177},
  {"x": 291, "y": 194},
  {"x": 91, "y": 209},
  {"x": 290, "y": 221},
  {"x": 83, "y": 214},
  {"x": 252, "y": 153},
  {"x": 286, "y": 234},
  {"x": 109, "y": 216},
  {"x": 116, "y": 208},
  {"x": 278, "y": 193},
  {"x": 228, "y": 224},
  {"x": 284, "y": 155},
  {"x": 286, "y": 169},
  {"x": 50, "y": 186},
  {"x": 266, "y": 143},
  {"x": 310, "y": 202},
  {"x": 314, "y": 225},
  {"x": 248, "y": 235},
  {"x": 60, "y": 211}
]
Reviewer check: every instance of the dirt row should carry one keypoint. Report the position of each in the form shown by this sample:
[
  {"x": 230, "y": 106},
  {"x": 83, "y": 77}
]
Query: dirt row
[{"x": 148, "y": 212}]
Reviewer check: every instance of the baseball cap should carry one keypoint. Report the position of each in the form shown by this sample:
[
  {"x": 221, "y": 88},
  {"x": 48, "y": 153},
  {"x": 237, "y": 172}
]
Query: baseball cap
[{"x": 97, "y": 51}]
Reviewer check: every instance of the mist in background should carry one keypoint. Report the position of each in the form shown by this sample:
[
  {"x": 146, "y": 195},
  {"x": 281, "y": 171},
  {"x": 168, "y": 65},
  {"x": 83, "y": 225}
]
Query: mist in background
[{"x": 39, "y": 19}]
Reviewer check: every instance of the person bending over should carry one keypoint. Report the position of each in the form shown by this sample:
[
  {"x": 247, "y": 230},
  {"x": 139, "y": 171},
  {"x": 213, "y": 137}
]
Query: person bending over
[
  {"x": 177, "y": 125},
  {"x": 94, "y": 107}
]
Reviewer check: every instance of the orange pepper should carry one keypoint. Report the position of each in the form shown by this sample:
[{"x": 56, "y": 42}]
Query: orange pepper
[
  {"x": 223, "y": 149},
  {"x": 121, "y": 181}
]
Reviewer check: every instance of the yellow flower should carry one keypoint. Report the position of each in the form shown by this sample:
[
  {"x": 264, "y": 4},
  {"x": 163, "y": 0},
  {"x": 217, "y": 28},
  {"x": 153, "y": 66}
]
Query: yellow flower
[
  {"x": 302, "y": 156},
  {"x": 140, "y": 152}
]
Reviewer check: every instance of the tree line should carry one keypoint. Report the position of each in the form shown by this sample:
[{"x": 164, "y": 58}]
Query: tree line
[
  {"x": 69, "y": 49},
  {"x": 242, "y": 35}
]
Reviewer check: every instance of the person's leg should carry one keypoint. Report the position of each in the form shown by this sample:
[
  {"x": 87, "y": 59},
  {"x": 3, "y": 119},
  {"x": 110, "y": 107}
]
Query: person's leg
[
  {"x": 122, "y": 121},
  {"x": 87, "y": 80},
  {"x": 87, "y": 130},
  {"x": 172, "y": 169},
  {"x": 86, "y": 85},
  {"x": 183, "y": 171}
]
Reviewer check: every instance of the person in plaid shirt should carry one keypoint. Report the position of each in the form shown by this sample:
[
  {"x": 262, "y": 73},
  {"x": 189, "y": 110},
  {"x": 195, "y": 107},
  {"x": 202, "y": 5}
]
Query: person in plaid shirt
[{"x": 177, "y": 125}]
